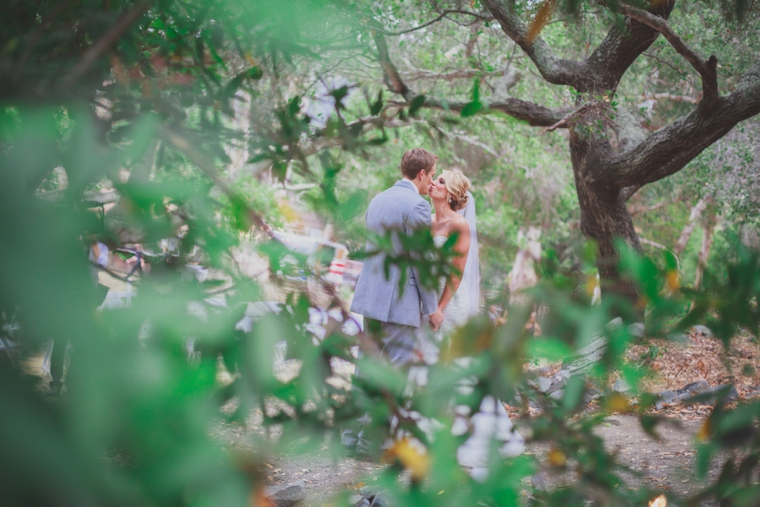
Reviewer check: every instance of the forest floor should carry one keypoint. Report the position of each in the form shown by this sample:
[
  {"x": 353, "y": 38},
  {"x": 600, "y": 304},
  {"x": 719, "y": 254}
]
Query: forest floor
[{"x": 666, "y": 465}]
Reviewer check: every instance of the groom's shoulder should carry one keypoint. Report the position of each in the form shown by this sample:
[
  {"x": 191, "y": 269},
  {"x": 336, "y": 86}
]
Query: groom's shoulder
[
  {"x": 400, "y": 190},
  {"x": 397, "y": 197}
]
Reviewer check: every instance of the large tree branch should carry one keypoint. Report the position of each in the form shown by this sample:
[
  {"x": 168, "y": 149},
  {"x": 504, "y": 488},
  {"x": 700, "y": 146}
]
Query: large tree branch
[
  {"x": 602, "y": 70},
  {"x": 390, "y": 75},
  {"x": 670, "y": 148},
  {"x": 707, "y": 68},
  {"x": 553, "y": 69},
  {"x": 621, "y": 47},
  {"x": 534, "y": 114},
  {"x": 206, "y": 164}
]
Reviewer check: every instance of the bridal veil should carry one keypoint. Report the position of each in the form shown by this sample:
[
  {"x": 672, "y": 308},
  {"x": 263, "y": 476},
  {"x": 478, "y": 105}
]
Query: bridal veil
[{"x": 471, "y": 275}]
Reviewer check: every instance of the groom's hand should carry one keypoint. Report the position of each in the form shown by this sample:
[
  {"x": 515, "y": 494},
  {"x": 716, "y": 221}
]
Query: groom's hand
[{"x": 436, "y": 319}]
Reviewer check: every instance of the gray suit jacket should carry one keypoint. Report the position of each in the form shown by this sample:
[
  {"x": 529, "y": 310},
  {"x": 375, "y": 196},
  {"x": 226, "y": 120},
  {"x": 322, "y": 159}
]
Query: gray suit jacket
[{"x": 402, "y": 209}]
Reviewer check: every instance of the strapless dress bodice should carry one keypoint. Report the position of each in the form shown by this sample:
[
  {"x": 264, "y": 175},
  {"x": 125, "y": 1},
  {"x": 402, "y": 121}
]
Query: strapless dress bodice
[{"x": 457, "y": 311}]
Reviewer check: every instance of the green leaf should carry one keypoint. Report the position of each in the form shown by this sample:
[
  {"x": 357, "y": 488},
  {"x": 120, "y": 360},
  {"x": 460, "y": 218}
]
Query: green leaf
[
  {"x": 704, "y": 459},
  {"x": 339, "y": 94},
  {"x": 417, "y": 102},
  {"x": 551, "y": 349},
  {"x": 377, "y": 106},
  {"x": 573, "y": 392},
  {"x": 471, "y": 109},
  {"x": 474, "y": 106},
  {"x": 254, "y": 73}
]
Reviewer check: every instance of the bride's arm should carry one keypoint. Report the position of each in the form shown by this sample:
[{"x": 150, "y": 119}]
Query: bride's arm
[{"x": 461, "y": 247}]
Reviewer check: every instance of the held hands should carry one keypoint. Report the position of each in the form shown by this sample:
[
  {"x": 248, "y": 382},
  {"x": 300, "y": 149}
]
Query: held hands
[{"x": 436, "y": 319}]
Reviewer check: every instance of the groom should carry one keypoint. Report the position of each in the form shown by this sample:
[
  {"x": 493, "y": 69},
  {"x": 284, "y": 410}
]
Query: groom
[{"x": 391, "y": 314}]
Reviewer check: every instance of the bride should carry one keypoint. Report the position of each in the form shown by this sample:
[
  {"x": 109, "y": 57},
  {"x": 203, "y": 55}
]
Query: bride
[
  {"x": 459, "y": 298},
  {"x": 450, "y": 194}
]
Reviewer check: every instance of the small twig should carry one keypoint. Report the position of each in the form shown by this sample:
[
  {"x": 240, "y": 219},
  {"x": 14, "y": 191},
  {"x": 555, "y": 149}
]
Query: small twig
[
  {"x": 635, "y": 210},
  {"x": 657, "y": 58},
  {"x": 206, "y": 165},
  {"x": 110, "y": 272},
  {"x": 434, "y": 20},
  {"x": 670, "y": 382},
  {"x": 653, "y": 243},
  {"x": 564, "y": 121}
]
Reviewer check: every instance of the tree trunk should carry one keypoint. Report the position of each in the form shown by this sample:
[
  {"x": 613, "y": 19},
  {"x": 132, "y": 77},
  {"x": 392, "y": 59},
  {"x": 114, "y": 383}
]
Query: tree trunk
[{"x": 604, "y": 215}]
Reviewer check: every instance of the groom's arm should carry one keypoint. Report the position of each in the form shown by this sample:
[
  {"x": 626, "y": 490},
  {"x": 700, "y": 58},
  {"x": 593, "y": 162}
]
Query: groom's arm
[{"x": 419, "y": 219}]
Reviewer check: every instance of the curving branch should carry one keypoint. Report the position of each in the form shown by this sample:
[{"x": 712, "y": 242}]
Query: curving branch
[
  {"x": 390, "y": 75},
  {"x": 621, "y": 47},
  {"x": 707, "y": 68},
  {"x": 602, "y": 70},
  {"x": 554, "y": 70},
  {"x": 669, "y": 149},
  {"x": 534, "y": 114},
  {"x": 438, "y": 18}
]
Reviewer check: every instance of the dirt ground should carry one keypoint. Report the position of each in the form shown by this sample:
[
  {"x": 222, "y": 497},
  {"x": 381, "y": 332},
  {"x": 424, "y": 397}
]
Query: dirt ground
[{"x": 666, "y": 465}]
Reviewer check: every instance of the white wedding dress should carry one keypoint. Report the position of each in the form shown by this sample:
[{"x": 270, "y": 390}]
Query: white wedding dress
[
  {"x": 491, "y": 421},
  {"x": 458, "y": 310}
]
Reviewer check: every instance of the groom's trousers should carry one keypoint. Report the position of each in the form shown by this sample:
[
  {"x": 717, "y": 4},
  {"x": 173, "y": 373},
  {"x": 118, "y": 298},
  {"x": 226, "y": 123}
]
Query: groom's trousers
[{"x": 397, "y": 342}]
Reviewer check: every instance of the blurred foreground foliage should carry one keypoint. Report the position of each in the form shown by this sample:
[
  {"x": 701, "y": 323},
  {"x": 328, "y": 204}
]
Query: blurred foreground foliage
[{"x": 137, "y": 97}]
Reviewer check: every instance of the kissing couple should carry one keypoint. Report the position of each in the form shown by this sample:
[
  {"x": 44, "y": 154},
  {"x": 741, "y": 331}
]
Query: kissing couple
[
  {"x": 394, "y": 317},
  {"x": 397, "y": 315}
]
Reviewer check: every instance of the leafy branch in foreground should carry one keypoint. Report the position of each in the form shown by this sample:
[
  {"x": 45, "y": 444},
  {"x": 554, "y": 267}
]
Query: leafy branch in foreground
[{"x": 417, "y": 252}]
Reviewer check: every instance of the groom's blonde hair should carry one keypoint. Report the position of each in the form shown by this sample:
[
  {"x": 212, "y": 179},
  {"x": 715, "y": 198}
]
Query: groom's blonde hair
[{"x": 416, "y": 160}]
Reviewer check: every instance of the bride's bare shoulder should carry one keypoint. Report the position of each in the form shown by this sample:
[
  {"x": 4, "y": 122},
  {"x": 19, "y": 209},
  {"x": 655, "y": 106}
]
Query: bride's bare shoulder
[{"x": 460, "y": 224}]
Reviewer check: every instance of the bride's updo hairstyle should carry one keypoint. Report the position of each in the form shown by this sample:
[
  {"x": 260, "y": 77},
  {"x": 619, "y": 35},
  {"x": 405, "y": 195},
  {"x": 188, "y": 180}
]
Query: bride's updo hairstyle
[{"x": 457, "y": 184}]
